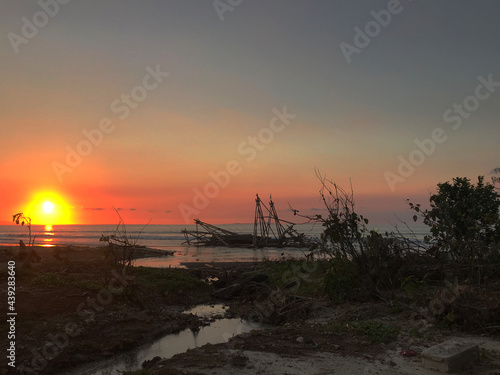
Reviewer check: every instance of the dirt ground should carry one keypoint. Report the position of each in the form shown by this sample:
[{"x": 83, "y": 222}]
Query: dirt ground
[
  {"x": 311, "y": 347},
  {"x": 66, "y": 314},
  {"x": 66, "y": 317},
  {"x": 325, "y": 343}
]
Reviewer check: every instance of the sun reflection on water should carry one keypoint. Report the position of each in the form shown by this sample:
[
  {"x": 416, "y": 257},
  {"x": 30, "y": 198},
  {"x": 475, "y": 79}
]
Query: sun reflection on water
[{"x": 47, "y": 242}]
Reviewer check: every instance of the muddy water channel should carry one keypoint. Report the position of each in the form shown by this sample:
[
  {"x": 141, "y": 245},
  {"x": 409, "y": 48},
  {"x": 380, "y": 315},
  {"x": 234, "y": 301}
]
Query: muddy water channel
[{"x": 220, "y": 330}]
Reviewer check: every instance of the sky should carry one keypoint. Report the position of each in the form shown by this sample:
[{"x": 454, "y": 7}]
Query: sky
[{"x": 166, "y": 111}]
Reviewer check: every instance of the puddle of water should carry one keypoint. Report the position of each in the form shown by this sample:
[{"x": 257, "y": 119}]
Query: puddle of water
[{"x": 219, "y": 331}]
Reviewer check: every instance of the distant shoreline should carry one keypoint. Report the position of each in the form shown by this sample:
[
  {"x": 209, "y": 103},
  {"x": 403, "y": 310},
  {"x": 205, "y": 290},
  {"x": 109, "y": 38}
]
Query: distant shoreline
[{"x": 47, "y": 251}]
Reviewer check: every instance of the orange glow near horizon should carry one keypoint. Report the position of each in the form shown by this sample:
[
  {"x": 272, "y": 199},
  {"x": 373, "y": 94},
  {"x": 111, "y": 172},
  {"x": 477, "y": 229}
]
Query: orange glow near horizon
[{"x": 49, "y": 208}]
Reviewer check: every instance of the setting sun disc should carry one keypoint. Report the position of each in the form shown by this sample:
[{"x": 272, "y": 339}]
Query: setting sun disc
[{"x": 48, "y": 207}]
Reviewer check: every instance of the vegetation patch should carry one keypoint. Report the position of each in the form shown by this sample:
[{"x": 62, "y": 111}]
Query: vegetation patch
[
  {"x": 341, "y": 280},
  {"x": 53, "y": 280},
  {"x": 416, "y": 289},
  {"x": 49, "y": 280},
  {"x": 179, "y": 285},
  {"x": 467, "y": 308},
  {"x": 300, "y": 277},
  {"x": 376, "y": 332}
]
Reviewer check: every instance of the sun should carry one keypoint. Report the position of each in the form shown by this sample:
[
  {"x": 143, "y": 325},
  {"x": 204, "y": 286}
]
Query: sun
[{"x": 49, "y": 208}]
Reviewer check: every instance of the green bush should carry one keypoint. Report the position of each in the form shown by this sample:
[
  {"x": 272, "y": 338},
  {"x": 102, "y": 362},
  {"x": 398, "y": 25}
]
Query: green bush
[
  {"x": 341, "y": 281},
  {"x": 362, "y": 259},
  {"x": 463, "y": 219}
]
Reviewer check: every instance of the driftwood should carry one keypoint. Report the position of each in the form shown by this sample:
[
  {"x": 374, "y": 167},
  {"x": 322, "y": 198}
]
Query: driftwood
[
  {"x": 273, "y": 305},
  {"x": 246, "y": 285},
  {"x": 281, "y": 234}
]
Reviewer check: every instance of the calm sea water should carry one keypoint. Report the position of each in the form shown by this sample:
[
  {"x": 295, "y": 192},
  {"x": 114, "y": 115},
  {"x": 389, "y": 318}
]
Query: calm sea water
[{"x": 164, "y": 237}]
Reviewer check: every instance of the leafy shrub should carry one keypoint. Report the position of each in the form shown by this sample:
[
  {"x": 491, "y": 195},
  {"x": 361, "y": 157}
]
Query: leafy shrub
[
  {"x": 363, "y": 258},
  {"x": 341, "y": 280},
  {"x": 463, "y": 219}
]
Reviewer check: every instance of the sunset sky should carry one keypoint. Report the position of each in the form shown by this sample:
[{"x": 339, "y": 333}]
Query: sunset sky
[{"x": 170, "y": 110}]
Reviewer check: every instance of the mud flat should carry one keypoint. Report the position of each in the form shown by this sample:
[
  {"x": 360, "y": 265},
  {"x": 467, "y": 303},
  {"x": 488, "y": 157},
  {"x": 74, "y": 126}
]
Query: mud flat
[{"x": 74, "y": 307}]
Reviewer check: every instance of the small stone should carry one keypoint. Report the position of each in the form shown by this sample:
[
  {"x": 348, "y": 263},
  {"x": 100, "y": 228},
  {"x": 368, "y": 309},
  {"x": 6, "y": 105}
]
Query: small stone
[
  {"x": 300, "y": 339},
  {"x": 450, "y": 356}
]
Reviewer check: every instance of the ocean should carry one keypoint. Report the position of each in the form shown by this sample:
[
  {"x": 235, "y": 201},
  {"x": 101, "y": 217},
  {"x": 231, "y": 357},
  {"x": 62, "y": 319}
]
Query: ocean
[{"x": 166, "y": 237}]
